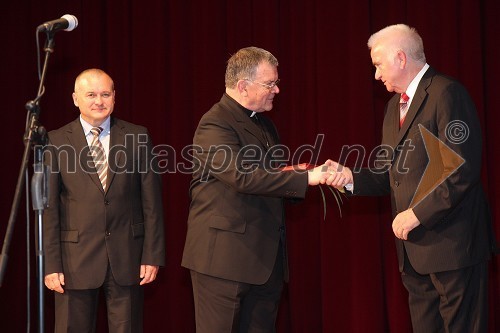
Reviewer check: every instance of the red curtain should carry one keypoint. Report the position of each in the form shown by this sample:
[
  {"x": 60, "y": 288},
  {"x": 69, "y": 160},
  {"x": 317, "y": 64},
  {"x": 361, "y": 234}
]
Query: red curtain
[{"x": 168, "y": 61}]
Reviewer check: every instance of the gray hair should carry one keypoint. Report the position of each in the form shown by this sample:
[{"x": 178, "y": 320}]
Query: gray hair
[
  {"x": 243, "y": 64},
  {"x": 400, "y": 37}
]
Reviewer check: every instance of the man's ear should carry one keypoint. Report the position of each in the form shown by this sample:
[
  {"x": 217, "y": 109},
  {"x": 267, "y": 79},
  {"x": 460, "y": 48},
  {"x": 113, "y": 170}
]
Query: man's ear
[
  {"x": 402, "y": 59},
  {"x": 241, "y": 86},
  {"x": 75, "y": 99}
]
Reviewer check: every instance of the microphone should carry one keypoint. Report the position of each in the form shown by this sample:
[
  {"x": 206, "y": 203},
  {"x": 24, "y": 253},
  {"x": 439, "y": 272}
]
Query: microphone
[{"x": 66, "y": 22}]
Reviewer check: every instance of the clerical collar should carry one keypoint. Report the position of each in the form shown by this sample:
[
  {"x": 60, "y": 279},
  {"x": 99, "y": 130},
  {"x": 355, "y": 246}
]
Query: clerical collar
[{"x": 249, "y": 113}]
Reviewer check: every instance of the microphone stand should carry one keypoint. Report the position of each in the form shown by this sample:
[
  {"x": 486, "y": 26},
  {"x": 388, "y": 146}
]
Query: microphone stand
[{"x": 35, "y": 137}]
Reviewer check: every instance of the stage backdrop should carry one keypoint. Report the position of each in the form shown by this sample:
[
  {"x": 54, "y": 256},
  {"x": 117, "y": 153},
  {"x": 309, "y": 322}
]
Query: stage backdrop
[{"x": 168, "y": 60}]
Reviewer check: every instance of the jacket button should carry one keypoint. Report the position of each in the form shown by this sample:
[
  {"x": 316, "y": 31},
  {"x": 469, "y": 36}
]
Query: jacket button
[
  {"x": 107, "y": 233},
  {"x": 396, "y": 183},
  {"x": 106, "y": 202}
]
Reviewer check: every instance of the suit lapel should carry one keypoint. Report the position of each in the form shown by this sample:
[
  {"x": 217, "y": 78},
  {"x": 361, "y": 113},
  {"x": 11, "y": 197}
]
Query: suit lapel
[
  {"x": 116, "y": 157},
  {"x": 416, "y": 103},
  {"x": 250, "y": 126},
  {"x": 392, "y": 123},
  {"x": 244, "y": 120},
  {"x": 76, "y": 138},
  {"x": 256, "y": 131}
]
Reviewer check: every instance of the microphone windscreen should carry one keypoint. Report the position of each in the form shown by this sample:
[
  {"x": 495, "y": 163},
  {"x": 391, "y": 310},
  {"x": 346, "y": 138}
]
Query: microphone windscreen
[{"x": 72, "y": 21}]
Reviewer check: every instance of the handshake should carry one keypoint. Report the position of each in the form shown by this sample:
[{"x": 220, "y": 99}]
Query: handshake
[{"x": 330, "y": 173}]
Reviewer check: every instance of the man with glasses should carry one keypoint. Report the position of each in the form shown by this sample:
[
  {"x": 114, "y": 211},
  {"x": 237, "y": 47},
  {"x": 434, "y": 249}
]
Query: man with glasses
[{"x": 235, "y": 244}]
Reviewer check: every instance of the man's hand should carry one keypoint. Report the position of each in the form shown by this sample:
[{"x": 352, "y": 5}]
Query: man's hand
[
  {"x": 340, "y": 175},
  {"x": 320, "y": 174},
  {"x": 148, "y": 273},
  {"x": 404, "y": 223},
  {"x": 55, "y": 281}
]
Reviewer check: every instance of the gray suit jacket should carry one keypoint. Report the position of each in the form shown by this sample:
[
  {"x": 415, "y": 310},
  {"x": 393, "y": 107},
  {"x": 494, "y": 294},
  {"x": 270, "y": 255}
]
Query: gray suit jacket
[
  {"x": 236, "y": 213},
  {"x": 85, "y": 227},
  {"x": 455, "y": 228}
]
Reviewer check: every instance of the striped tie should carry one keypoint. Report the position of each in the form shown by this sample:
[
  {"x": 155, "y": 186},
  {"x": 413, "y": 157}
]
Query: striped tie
[
  {"x": 403, "y": 108},
  {"x": 99, "y": 156}
]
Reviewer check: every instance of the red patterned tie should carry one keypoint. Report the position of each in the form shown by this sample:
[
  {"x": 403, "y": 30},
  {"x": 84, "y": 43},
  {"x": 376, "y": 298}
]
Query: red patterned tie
[{"x": 403, "y": 108}]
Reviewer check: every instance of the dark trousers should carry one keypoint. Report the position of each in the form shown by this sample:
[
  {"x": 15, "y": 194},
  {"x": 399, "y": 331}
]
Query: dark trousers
[
  {"x": 225, "y": 306},
  {"x": 76, "y": 310},
  {"x": 452, "y": 301}
]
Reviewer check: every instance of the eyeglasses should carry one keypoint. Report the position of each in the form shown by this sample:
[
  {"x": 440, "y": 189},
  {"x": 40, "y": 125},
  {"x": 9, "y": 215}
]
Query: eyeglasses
[{"x": 269, "y": 86}]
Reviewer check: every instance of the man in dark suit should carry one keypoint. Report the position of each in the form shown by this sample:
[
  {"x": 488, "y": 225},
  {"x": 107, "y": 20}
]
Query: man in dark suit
[
  {"x": 235, "y": 244},
  {"x": 104, "y": 225},
  {"x": 441, "y": 218}
]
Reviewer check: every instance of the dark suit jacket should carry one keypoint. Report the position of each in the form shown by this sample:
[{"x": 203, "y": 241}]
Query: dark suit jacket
[
  {"x": 85, "y": 227},
  {"x": 236, "y": 209},
  {"x": 455, "y": 228}
]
